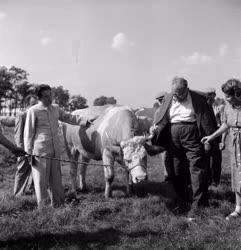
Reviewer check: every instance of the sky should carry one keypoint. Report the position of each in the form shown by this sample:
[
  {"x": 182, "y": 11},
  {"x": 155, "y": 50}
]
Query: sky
[{"x": 128, "y": 49}]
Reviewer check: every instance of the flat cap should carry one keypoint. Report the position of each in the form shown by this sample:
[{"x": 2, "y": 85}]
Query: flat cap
[
  {"x": 210, "y": 90},
  {"x": 160, "y": 95}
]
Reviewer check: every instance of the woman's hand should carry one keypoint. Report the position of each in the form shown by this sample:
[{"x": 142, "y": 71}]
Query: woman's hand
[
  {"x": 221, "y": 146},
  {"x": 206, "y": 139}
]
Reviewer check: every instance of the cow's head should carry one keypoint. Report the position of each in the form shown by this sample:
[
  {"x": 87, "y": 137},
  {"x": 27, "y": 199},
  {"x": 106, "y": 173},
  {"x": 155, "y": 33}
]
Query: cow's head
[
  {"x": 133, "y": 153},
  {"x": 135, "y": 157}
]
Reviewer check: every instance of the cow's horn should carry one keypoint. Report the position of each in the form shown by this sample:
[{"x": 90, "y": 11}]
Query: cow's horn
[
  {"x": 114, "y": 149},
  {"x": 149, "y": 137}
]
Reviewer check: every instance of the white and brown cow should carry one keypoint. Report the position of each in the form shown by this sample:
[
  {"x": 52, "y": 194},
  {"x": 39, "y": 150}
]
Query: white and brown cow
[{"x": 114, "y": 136}]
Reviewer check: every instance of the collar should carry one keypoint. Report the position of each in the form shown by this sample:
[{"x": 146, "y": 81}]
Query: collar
[
  {"x": 174, "y": 98},
  {"x": 44, "y": 107}
]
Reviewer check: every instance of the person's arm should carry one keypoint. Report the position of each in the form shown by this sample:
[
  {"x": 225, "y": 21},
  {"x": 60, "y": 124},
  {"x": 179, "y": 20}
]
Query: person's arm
[
  {"x": 207, "y": 139},
  {"x": 75, "y": 119},
  {"x": 29, "y": 131},
  {"x": 9, "y": 145},
  {"x": 222, "y": 143},
  {"x": 7, "y": 121}
]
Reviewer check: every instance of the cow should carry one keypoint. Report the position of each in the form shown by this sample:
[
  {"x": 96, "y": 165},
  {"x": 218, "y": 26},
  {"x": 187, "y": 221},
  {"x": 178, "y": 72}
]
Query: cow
[{"x": 113, "y": 136}]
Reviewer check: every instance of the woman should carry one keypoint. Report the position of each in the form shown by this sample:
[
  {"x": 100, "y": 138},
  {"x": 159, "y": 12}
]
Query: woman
[{"x": 232, "y": 121}]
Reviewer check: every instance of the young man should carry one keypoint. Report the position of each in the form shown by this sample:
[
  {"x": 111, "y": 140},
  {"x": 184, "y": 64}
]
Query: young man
[{"x": 41, "y": 139}]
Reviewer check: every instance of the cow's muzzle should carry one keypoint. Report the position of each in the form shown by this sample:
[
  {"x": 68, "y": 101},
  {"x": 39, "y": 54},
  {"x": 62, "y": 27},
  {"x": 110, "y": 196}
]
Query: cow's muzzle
[{"x": 138, "y": 174}]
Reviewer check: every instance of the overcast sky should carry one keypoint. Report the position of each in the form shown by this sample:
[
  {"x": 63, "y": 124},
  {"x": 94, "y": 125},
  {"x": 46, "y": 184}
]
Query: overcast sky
[{"x": 129, "y": 49}]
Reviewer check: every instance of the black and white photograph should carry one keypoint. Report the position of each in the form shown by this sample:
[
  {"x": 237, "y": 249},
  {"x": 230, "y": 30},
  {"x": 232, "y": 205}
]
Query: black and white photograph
[{"x": 120, "y": 124}]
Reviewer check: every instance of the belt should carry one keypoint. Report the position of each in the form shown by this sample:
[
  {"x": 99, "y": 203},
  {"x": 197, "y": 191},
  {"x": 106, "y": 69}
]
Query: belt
[{"x": 184, "y": 123}]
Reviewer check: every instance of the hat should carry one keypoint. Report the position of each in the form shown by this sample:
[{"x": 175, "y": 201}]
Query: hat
[
  {"x": 210, "y": 90},
  {"x": 160, "y": 95}
]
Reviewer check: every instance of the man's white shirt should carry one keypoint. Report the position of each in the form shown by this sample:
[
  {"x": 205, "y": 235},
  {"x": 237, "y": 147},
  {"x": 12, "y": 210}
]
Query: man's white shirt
[{"x": 182, "y": 111}]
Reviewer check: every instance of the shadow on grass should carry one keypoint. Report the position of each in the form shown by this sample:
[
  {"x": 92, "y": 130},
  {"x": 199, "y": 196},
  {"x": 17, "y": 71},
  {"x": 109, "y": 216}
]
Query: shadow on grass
[
  {"x": 25, "y": 205},
  {"x": 226, "y": 179},
  {"x": 164, "y": 189},
  {"x": 223, "y": 191},
  {"x": 144, "y": 233},
  {"x": 99, "y": 239},
  {"x": 222, "y": 195}
]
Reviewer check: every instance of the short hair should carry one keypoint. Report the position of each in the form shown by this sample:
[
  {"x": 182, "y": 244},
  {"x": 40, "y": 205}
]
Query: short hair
[
  {"x": 231, "y": 87},
  {"x": 181, "y": 82},
  {"x": 41, "y": 88},
  {"x": 28, "y": 98}
]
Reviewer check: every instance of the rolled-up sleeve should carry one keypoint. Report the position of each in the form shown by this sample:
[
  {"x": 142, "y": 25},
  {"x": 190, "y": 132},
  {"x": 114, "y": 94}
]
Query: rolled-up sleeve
[
  {"x": 29, "y": 131},
  {"x": 72, "y": 119}
]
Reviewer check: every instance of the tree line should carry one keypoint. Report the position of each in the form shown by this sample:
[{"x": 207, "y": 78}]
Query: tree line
[{"x": 15, "y": 87}]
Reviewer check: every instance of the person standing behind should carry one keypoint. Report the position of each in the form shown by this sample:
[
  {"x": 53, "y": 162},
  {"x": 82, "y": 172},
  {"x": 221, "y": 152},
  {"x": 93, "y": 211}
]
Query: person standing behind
[
  {"x": 232, "y": 121},
  {"x": 23, "y": 176},
  {"x": 183, "y": 119},
  {"x": 214, "y": 172},
  {"x": 41, "y": 139}
]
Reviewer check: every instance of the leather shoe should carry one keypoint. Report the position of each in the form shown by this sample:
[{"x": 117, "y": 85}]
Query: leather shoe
[{"x": 233, "y": 215}]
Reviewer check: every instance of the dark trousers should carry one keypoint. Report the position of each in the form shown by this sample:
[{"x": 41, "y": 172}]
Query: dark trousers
[
  {"x": 214, "y": 172},
  {"x": 188, "y": 162},
  {"x": 23, "y": 177}
]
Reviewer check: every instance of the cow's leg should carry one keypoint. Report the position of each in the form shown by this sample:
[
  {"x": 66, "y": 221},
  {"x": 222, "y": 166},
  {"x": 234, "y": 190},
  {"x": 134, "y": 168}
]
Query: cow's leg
[
  {"x": 73, "y": 170},
  {"x": 82, "y": 173},
  {"x": 129, "y": 186},
  {"x": 108, "y": 159}
]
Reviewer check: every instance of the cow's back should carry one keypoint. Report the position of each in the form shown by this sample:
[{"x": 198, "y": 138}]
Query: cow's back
[
  {"x": 113, "y": 125},
  {"x": 92, "y": 111},
  {"x": 147, "y": 112}
]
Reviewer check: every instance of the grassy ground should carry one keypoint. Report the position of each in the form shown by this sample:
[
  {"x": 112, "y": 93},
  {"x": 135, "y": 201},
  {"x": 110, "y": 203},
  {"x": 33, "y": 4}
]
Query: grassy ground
[{"x": 143, "y": 221}]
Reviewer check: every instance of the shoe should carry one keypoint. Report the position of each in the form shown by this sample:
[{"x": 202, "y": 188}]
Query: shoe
[
  {"x": 29, "y": 192},
  {"x": 233, "y": 215},
  {"x": 193, "y": 214}
]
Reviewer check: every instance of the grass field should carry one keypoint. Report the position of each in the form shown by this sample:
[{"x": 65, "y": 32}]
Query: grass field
[{"x": 143, "y": 221}]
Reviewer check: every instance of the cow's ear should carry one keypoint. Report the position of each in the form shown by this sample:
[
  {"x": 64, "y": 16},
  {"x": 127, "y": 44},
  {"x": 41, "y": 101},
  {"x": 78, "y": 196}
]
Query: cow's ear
[
  {"x": 123, "y": 144},
  {"x": 153, "y": 149},
  {"x": 142, "y": 140},
  {"x": 114, "y": 149}
]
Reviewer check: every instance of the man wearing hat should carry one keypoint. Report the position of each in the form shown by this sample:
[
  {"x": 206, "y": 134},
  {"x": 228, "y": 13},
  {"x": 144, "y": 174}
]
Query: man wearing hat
[
  {"x": 214, "y": 172},
  {"x": 160, "y": 96},
  {"x": 180, "y": 123}
]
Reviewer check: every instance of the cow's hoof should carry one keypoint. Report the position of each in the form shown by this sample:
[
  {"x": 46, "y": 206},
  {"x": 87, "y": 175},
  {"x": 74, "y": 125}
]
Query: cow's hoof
[{"x": 108, "y": 196}]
